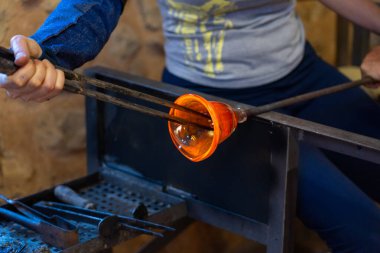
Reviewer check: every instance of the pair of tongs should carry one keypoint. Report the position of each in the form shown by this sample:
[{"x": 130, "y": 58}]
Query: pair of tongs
[
  {"x": 108, "y": 224},
  {"x": 86, "y": 86},
  {"x": 54, "y": 230}
]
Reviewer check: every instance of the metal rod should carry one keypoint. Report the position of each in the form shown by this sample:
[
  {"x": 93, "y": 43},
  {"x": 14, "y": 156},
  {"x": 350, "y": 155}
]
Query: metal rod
[
  {"x": 128, "y": 92},
  {"x": 101, "y": 214},
  {"x": 8, "y": 67},
  {"x": 307, "y": 96},
  {"x": 72, "y": 86},
  {"x": 76, "y": 83},
  {"x": 92, "y": 220}
]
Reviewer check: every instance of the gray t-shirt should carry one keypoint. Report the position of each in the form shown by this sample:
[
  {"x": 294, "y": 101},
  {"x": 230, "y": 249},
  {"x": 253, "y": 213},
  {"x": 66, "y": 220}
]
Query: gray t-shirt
[{"x": 231, "y": 43}]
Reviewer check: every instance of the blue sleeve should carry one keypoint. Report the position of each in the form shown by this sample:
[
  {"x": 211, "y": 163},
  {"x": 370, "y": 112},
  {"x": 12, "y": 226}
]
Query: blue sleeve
[{"x": 77, "y": 30}]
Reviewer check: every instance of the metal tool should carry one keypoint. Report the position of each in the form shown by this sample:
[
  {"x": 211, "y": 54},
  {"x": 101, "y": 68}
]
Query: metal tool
[
  {"x": 108, "y": 223},
  {"x": 69, "y": 196},
  {"x": 308, "y": 96},
  {"x": 53, "y": 230},
  {"x": 138, "y": 211},
  {"x": 81, "y": 84}
]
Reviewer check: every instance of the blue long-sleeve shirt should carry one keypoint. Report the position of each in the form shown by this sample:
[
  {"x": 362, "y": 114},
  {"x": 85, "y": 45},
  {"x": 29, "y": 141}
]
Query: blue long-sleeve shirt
[{"x": 77, "y": 30}]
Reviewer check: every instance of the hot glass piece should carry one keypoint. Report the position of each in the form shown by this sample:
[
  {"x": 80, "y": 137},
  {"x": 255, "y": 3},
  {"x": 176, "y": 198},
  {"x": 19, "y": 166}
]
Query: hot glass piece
[{"x": 197, "y": 143}]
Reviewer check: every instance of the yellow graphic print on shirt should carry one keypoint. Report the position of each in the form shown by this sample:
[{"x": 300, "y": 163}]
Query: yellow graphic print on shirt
[{"x": 194, "y": 20}]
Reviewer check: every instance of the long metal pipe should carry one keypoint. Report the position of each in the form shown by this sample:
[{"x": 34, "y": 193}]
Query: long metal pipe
[{"x": 307, "y": 96}]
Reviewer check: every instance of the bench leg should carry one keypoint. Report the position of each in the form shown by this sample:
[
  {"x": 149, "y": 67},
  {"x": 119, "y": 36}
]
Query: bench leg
[{"x": 283, "y": 198}]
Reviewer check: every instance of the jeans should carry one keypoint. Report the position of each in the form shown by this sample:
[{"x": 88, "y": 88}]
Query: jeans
[{"x": 336, "y": 193}]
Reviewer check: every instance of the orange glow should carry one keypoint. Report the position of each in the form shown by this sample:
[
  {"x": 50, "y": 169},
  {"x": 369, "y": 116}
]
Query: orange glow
[{"x": 197, "y": 143}]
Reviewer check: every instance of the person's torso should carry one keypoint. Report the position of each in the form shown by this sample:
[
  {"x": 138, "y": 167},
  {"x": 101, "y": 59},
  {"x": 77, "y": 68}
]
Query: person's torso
[{"x": 231, "y": 43}]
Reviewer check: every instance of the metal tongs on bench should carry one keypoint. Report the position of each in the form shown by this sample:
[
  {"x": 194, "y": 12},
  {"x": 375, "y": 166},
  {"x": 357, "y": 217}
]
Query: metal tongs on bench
[
  {"x": 108, "y": 223},
  {"x": 53, "y": 230}
]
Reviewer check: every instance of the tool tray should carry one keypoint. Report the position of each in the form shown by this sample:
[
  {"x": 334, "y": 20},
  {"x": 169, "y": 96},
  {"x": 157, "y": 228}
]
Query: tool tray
[{"x": 128, "y": 191}]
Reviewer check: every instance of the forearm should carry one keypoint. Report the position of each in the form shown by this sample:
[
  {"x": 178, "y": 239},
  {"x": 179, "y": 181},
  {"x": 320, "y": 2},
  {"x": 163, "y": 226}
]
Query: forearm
[
  {"x": 362, "y": 12},
  {"x": 77, "y": 30}
]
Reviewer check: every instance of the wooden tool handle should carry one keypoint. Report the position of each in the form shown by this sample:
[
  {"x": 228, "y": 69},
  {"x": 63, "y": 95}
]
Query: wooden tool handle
[{"x": 69, "y": 196}]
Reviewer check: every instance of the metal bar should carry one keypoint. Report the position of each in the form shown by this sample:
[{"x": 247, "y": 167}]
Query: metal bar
[
  {"x": 94, "y": 117},
  {"x": 35, "y": 215},
  {"x": 133, "y": 93},
  {"x": 307, "y": 96},
  {"x": 342, "y": 46},
  {"x": 334, "y": 139},
  {"x": 282, "y": 201},
  {"x": 49, "y": 233},
  {"x": 8, "y": 67},
  {"x": 360, "y": 45},
  {"x": 95, "y": 215},
  {"x": 79, "y": 216},
  {"x": 76, "y": 87}
]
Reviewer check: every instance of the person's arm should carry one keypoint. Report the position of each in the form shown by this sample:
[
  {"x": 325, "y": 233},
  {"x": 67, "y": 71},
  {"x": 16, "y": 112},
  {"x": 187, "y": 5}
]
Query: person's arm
[
  {"x": 77, "y": 30},
  {"x": 361, "y": 12},
  {"x": 73, "y": 34}
]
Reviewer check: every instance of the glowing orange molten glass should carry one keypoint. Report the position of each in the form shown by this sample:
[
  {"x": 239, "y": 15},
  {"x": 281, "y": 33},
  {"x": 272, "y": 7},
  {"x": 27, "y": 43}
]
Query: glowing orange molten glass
[{"x": 198, "y": 143}]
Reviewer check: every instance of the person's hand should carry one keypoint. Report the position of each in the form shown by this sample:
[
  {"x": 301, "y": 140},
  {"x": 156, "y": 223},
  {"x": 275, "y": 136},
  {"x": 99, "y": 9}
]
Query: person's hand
[
  {"x": 371, "y": 66},
  {"x": 35, "y": 80}
]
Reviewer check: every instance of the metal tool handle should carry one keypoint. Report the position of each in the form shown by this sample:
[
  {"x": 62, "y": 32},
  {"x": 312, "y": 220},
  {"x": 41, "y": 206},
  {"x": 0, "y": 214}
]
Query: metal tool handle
[
  {"x": 101, "y": 215},
  {"x": 77, "y": 83},
  {"x": 49, "y": 233},
  {"x": 24, "y": 209},
  {"x": 69, "y": 196},
  {"x": 105, "y": 224},
  {"x": 20, "y": 219},
  {"x": 7, "y": 65}
]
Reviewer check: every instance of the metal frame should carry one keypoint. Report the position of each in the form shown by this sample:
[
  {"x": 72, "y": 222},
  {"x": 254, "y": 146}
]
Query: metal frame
[
  {"x": 277, "y": 233},
  {"x": 351, "y": 54},
  {"x": 274, "y": 233}
]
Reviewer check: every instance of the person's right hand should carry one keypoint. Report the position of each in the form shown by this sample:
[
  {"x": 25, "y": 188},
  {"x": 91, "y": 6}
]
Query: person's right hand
[
  {"x": 371, "y": 67},
  {"x": 35, "y": 80}
]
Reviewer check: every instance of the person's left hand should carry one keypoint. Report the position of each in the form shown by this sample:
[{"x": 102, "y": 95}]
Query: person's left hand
[
  {"x": 34, "y": 80},
  {"x": 371, "y": 67}
]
